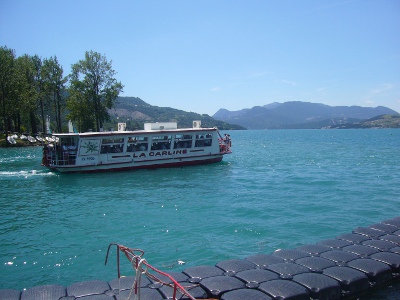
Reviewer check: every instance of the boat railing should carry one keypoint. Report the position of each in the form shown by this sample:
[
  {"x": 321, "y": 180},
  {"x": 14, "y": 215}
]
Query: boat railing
[
  {"x": 225, "y": 144},
  {"x": 53, "y": 156},
  {"x": 142, "y": 267}
]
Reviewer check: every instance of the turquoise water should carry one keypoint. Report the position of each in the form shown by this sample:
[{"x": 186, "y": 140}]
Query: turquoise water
[{"x": 278, "y": 190}]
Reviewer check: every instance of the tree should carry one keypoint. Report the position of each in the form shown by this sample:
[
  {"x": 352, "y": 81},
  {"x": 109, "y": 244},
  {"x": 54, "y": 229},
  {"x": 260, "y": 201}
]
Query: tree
[
  {"x": 54, "y": 88},
  {"x": 27, "y": 84},
  {"x": 38, "y": 94},
  {"x": 7, "y": 59},
  {"x": 93, "y": 89},
  {"x": 79, "y": 107}
]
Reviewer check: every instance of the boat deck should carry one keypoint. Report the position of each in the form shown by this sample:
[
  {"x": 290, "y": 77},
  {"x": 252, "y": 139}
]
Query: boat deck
[{"x": 351, "y": 265}]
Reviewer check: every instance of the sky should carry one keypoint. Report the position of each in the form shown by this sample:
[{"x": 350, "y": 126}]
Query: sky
[{"x": 203, "y": 55}]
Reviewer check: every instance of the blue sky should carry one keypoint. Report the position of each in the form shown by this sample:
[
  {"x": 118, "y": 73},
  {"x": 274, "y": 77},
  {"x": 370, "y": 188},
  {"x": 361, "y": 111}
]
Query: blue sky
[{"x": 205, "y": 55}]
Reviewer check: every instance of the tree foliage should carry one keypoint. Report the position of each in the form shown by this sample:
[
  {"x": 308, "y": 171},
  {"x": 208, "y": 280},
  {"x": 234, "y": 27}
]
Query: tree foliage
[
  {"x": 32, "y": 89},
  {"x": 54, "y": 89},
  {"x": 93, "y": 90},
  {"x": 27, "y": 82},
  {"x": 7, "y": 59}
]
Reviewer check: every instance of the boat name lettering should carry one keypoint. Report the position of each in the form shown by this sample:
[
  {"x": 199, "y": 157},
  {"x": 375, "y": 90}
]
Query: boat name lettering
[
  {"x": 87, "y": 158},
  {"x": 161, "y": 153}
]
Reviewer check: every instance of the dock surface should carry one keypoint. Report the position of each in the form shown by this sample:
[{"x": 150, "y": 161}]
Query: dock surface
[{"x": 346, "y": 267}]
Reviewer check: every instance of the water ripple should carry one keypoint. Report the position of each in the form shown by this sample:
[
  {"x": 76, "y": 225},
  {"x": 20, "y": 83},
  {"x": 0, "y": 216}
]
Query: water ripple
[{"x": 279, "y": 189}]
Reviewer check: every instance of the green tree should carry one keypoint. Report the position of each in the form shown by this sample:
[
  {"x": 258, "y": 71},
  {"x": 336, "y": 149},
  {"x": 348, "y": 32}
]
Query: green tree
[
  {"x": 7, "y": 60},
  {"x": 53, "y": 89},
  {"x": 79, "y": 107},
  {"x": 27, "y": 84},
  {"x": 93, "y": 90},
  {"x": 38, "y": 94}
]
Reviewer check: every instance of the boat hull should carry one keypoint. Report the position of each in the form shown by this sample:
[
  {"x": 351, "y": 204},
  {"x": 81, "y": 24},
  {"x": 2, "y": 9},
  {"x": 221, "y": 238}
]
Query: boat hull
[{"x": 162, "y": 163}]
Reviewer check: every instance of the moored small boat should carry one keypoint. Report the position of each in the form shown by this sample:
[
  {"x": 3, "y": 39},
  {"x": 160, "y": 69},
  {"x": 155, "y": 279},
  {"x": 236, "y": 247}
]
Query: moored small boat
[
  {"x": 40, "y": 139},
  {"x": 158, "y": 145},
  {"x": 11, "y": 139},
  {"x": 31, "y": 139}
]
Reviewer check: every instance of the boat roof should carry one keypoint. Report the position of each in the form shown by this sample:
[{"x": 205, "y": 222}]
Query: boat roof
[{"x": 133, "y": 132}]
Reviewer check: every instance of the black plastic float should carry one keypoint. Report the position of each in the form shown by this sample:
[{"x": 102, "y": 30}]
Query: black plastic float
[{"x": 347, "y": 267}]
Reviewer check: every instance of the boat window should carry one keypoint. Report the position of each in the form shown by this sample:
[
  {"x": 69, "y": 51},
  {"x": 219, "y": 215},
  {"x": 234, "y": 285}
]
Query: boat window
[
  {"x": 203, "y": 140},
  {"x": 137, "y": 143},
  {"x": 182, "y": 141},
  {"x": 109, "y": 145},
  {"x": 107, "y": 141},
  {"x": 67, "y": 140},
  {"x": 68, "y": 144},
  {"x": 161, "y": 142}
]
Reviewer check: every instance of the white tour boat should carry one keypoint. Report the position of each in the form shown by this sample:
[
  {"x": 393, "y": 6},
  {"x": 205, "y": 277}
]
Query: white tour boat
[{"x": 158, "y": 145}]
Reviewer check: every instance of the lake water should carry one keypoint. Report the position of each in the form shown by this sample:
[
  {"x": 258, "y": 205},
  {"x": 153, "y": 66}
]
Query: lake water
[{"x": 279, "y": 189}]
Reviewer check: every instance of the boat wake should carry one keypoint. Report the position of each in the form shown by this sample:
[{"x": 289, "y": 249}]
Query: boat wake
[{"x": 25, "y": 174}]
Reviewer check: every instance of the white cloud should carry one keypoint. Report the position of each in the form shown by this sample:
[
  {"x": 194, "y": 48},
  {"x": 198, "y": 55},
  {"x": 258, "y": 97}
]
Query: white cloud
[
  {"x": 216, "y": 89},
  {"x": 369, "y": 102},
  {"x": 292, "y": 83},
  {"x": 383, "y": 88},
  {"x": 259, "y": 74}
]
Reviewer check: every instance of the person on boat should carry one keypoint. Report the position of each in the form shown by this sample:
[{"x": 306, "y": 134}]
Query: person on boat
[
  {"x": 227, "y": 140},
  {"x": 65, "y": 153},
  {"x": 47, "y": 154},
  {"x": 72, "y": 149}
]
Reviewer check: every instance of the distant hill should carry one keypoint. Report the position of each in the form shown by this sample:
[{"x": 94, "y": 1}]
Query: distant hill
[
  {"x": 135, "y": 112},
  {"x": 383, "y": 121},
  {"x": 296, "y": 114}
]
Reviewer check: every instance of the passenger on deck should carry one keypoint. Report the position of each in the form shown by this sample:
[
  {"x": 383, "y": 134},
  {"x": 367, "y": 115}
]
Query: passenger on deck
[
  {"x": 65, "y": 153},
  {"x": 72, "y": 149},
  {"x": 227, "y": 140}
]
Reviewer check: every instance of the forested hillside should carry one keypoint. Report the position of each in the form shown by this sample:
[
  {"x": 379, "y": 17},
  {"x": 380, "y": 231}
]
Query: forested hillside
[{"x": 135, "y": 112}]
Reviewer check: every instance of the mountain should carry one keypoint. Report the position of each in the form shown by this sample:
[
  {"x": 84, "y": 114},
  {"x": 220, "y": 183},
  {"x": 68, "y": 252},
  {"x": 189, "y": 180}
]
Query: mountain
[
  {"x": 297, "y": 114},
  {"x": 135, "y": 112},
  {"x": 383, "y": 121}
]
